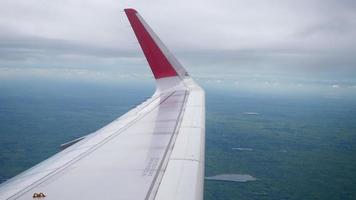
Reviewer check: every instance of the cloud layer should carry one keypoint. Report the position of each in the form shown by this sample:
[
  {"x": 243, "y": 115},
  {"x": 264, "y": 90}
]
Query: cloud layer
[{"x": 306, "y": 36}]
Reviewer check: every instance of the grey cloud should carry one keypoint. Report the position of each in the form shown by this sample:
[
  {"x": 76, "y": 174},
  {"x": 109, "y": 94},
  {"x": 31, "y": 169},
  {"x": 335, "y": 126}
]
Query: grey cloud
[
  {"x": 310, "y": 36},
  {"x": 22, "y": 47}
]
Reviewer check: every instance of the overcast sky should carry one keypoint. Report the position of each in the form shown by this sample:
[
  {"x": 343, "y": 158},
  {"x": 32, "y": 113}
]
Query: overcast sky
[{"x": 212, "y": 36}]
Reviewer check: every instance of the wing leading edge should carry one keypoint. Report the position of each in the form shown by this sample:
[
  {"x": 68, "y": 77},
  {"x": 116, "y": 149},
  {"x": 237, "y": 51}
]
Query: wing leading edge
[{"x": 155, "y": 151}]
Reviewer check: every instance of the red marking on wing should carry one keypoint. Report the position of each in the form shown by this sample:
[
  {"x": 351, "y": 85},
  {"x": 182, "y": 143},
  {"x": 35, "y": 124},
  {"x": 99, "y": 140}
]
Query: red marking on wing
[{"x": 158, "y": 62}]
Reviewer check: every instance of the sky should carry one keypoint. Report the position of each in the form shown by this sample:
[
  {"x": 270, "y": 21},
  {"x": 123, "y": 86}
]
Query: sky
[{"x": 274, "y": 39}]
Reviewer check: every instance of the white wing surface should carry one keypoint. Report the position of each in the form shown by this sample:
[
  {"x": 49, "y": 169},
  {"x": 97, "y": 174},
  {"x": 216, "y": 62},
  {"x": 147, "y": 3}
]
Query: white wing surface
[{"x": 155, "y": 151}]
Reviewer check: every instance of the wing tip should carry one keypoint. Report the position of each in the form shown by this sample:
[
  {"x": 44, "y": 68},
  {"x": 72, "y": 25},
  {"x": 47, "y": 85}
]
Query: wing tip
[
  {"x": 156, "y": 57},
  {"x": 130, "y": 10}
]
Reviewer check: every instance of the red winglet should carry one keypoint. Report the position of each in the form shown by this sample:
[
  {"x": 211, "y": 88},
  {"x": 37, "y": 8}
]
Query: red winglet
[{"x": 158, "y": 62}]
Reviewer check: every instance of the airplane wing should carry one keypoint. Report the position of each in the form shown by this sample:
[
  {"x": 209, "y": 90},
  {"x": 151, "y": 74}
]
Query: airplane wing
[{"x": 155, "y": 151}]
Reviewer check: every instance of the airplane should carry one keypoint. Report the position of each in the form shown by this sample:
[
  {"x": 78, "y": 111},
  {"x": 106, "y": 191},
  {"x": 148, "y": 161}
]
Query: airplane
[{"x": 154, "y": 151}]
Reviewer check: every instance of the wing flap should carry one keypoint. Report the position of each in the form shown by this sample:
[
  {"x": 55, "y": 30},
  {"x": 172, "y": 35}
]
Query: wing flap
[{"x": 184, "y": 176}]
